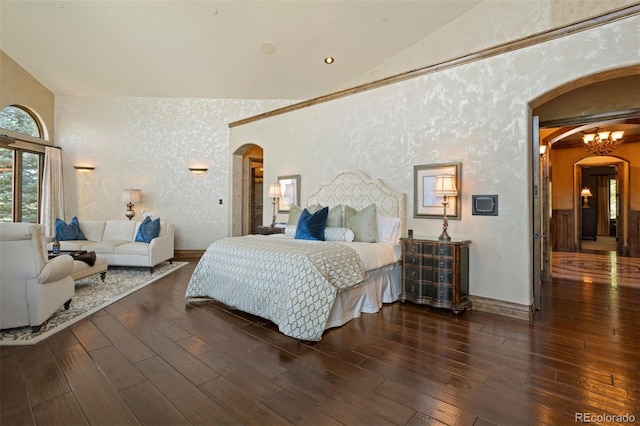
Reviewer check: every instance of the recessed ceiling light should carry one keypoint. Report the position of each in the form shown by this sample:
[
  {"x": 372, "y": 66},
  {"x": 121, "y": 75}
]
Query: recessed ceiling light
[
  {"x": 329, "y": 60},
  {"x": 267, "y": 47}
]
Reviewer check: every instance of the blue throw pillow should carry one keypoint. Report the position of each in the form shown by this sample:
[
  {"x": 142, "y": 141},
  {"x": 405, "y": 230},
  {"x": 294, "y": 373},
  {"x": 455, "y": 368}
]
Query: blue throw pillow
[
  {"x": 311, "y": 225},
  {"x": 148, "y": 230},
  {"x": 69, "y": 232}
]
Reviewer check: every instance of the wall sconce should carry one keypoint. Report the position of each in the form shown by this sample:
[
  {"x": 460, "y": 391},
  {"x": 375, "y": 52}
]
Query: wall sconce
[
  {"x": 198, "y": 170},
  {"x": 445, "y": 186},
  {"x": 130, "y": 196},
  {"x": 84, "y": 169},
  {"x": 585, "y": 194},
  {"x": 274, "y": 192},
  {"x": 543, "y": 150}
]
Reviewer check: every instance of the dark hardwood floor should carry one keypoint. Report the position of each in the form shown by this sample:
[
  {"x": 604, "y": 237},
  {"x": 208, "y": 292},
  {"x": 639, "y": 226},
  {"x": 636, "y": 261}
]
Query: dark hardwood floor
[{"x": 151, "y": 359}]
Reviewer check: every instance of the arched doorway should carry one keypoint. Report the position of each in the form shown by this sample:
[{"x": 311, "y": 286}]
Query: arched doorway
[
  {"x": 246, "y": 189},
  {"x": 563, "y": 113}
]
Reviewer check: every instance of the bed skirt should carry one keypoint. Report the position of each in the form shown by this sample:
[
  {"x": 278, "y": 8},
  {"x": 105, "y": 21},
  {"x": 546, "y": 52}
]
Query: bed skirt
[{"x": 382, "y": 285}]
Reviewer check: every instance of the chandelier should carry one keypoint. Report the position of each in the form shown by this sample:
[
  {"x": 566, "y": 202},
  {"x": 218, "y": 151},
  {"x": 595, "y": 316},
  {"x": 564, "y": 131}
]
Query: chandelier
[{"x": 603, "y": 143}]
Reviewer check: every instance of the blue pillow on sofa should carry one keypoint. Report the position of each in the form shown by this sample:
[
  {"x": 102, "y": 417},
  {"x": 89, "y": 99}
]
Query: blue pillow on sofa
[
  {"x": 69, "y": 232},
  {"x": 148, "y": 230},
  {"x": 311, "y": 225}
]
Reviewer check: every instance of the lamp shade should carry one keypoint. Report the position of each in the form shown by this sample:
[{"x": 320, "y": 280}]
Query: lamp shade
[
  {"x": 274, "y": 191},
  {"x": 445, "y": 185},
  {"x": 131, "y": 196},
  {"x": 586, "y": 192},
  {"x": 617, "y": 135}
]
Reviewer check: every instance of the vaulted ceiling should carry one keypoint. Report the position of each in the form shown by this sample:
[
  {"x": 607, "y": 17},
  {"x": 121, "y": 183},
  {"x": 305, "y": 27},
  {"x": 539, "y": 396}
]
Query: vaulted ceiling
[{"x": 212, "y": 49}]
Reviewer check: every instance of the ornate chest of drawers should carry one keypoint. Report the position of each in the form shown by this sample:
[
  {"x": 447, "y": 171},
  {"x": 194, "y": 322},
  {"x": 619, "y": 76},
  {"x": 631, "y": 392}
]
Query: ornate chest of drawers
[{"x": 436, "y": 273}]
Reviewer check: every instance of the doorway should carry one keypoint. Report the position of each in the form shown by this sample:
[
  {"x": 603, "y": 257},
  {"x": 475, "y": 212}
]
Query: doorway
[
  {"x": 599, "y": 210},
  {"x": 256, "y": 193},
  {"x": 246, "y": 189}
]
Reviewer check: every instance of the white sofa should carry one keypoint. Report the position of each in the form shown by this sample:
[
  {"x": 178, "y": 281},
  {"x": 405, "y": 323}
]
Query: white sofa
[
  {"x": 115, "y": 240},
  {"x": 32, "y": 287}
]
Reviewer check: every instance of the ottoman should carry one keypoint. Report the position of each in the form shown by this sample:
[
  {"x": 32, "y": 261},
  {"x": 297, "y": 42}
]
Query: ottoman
[{"x": 81, "y": 269}]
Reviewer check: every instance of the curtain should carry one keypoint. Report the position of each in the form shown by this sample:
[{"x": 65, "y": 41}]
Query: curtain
[
  {"x": 52, "y": 190},
  {"x": 603, "y": 205}
]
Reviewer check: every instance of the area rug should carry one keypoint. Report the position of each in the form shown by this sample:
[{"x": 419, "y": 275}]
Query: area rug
[{"x": 91, "y": 295}]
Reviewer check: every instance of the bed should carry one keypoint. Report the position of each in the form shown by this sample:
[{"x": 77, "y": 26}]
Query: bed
[{"x": 306, "y": 287}]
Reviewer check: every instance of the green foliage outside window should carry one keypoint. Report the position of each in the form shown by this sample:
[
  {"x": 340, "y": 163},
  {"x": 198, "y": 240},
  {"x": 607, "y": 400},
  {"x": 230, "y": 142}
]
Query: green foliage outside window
[{"x": 19, "y": 120}]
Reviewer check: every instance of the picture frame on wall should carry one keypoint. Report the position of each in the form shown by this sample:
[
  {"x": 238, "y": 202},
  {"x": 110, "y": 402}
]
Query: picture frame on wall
[
  {"x": 428, "y": 205},
  {"x": 290, "y": 190}
]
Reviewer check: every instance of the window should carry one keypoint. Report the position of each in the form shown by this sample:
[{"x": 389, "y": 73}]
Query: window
[
  {"x": 19, "y": 120},
  {"x": 20, "y": 167},
  {"x": 613, "y": 199}
]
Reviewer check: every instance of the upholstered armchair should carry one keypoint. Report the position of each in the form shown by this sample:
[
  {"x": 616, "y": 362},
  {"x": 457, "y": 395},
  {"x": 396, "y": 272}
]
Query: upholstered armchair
[{"x": 32, "y": 287}]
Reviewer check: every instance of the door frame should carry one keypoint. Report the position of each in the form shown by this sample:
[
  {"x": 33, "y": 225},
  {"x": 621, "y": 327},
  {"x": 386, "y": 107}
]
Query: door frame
[{"x": 624, "y": 198}]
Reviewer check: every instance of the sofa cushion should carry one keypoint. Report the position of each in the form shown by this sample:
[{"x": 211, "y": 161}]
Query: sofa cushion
[
  {"x": 92, "y": 229},
  {"x": 104, "y": 247},
  {"x": 148, "y": 230},
  {"x": 115, "y": 230},
  {"x": 71, "y": 231},
  {"x": 135, "y": 249},
  {"x": 73, "y": 245}
]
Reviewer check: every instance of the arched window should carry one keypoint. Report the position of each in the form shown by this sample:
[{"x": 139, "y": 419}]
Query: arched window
[
  {"x": 19, "y": 120},
  {"x": 21, "y": 164}
]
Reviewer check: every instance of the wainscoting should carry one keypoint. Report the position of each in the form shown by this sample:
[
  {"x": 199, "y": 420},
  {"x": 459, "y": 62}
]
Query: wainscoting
[
  {"x": 634, "y": 233},
  {"x": 562, "y": 234}
]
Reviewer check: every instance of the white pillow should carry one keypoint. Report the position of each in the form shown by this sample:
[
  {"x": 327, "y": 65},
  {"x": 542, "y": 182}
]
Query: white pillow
[
  {"x": 330, "y": 233},
  {"x": 338, "y": 234},
  {"x": 389, "y": 229},
  {"x": 290, "y": 230},
  {"x": 150, "y": 215}
]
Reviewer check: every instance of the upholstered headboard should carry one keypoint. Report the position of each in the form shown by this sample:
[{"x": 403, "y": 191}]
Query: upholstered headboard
[{"x": 356, "y": 189}]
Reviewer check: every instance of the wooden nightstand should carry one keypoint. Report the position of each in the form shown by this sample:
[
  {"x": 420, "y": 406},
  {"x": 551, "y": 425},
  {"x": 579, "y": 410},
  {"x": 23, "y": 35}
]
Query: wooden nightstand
[
  {"x": 436, "y": 273},
  {"x": 268, "y": 230}
]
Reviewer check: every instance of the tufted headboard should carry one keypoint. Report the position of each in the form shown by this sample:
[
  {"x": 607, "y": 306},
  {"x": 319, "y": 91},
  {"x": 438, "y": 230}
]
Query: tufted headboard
[{"x": 356, "y": 189}]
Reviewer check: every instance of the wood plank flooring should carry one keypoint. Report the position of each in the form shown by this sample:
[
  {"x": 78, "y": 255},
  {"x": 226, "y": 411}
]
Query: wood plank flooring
[{"x": 151, "y": 359}]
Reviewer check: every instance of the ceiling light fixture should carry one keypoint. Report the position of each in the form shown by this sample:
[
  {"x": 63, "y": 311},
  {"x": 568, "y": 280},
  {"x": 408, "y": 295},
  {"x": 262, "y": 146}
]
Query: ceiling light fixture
[
  {"x": 329, "y": 60},
  {"x": 603, "y": 143},
  {"x": 267, "y": 47}
]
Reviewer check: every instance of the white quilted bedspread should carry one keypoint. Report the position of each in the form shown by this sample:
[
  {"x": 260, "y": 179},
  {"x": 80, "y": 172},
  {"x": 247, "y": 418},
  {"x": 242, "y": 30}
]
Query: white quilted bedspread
[{"x": 290, "y": 282}]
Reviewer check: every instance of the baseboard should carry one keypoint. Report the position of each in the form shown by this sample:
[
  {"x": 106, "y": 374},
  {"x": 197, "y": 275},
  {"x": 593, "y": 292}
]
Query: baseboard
[
  {"x": 187, "y": 254},
  {"x": 501, "y": 307}
]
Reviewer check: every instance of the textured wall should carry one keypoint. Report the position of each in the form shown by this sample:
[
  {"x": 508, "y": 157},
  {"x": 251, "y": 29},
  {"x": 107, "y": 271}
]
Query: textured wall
[
  {"x": 18, "y": 87},
  {"x": 477, "y": 114},
  {"x": 149, "y": 143},
  {"x": 501, "y": 22}
]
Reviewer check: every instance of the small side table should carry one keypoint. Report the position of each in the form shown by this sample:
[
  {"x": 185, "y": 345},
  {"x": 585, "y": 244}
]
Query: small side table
[
  {"x": 436, "y": 273},
  {"x": 268, "y": 230}
]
